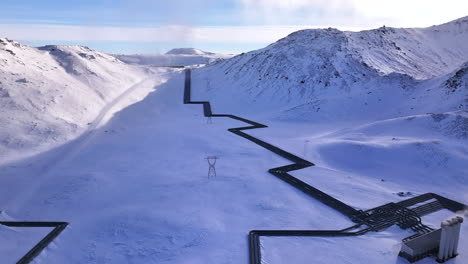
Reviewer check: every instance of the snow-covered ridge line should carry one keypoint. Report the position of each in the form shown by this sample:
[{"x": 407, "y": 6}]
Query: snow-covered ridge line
[
  {"x": 318, "y": 74},
  {"x": 418, "y": 52},
  {"x": 51, "y": 94}
]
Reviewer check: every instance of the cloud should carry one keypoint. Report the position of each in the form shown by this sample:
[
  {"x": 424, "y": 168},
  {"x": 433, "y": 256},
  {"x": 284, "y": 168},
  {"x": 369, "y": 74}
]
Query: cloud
[
  {"x": 213, "y": 34},
  {"x": 354, "y": 13},
  {"x": 274, "y": 19},
  {"x": 290, "y": 5}
]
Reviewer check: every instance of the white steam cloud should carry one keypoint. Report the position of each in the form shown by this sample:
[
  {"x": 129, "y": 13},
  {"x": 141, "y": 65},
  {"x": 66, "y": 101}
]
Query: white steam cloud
[{"x": 356, "y": 13}]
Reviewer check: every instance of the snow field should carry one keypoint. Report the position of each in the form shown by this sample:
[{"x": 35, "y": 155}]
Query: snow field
[{"x": 157, "y": 204}]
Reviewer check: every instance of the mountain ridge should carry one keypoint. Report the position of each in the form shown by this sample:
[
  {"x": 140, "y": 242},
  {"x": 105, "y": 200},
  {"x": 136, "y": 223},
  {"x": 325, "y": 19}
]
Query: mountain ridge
[{"x": 337, "y": 70}]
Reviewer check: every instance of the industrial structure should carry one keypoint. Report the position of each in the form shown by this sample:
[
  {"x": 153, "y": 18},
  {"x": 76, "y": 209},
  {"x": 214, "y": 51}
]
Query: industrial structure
[{"x": 442, "y": 243}]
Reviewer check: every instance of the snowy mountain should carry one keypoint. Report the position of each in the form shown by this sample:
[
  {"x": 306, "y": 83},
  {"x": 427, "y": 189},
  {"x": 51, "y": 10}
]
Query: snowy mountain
[
  {"x": 175, "y": 57},
  {"x": 49, "y": 95},
  {"x": 327, "y": 73},
  {"x": 421, "y": 53}
]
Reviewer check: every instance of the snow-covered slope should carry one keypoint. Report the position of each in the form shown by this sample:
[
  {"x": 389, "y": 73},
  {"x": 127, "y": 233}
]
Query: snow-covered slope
[
  {"x": 175, "y": 57},
  {"x": 48, "y": 95},
  {"x": 457, "y": 81},
  {"x": 419, "y": 52},
  {"x": 410, "y": 146},
  {"x": 327, "y": 73}
]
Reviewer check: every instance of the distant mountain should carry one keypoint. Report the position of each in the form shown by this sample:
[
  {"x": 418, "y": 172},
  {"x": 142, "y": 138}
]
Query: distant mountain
[
  {"x": 175, "y": 57},
  {"x": 188, "y": 51},
  {"x": 331, "y": 74}
]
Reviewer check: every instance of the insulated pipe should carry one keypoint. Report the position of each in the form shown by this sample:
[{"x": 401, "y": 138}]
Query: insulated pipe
[
  {"x": 442, "y": 255},
  {"x": 450, "y": 234},
  {"x": 457, "y": 235},
  {"x": 450, "y": 237}
]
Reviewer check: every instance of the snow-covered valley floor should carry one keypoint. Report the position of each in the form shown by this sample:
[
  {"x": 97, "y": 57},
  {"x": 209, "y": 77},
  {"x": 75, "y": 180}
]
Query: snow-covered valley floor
[{"x": 135, "y": 189}]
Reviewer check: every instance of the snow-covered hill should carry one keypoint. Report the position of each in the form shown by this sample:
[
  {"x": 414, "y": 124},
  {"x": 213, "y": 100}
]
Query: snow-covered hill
[
  {"x": 175, "y": 57},
  {"x": 330, "y": 74},
  {"x": 49, "y": 95},
  {"x": 421, "y": 53}
]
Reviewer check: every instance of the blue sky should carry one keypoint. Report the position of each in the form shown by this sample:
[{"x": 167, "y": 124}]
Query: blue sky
[{"x": 151, "y": 26}]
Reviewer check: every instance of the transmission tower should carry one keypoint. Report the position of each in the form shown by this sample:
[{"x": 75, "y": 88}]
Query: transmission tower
[{"x": 211, "y": 165}]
